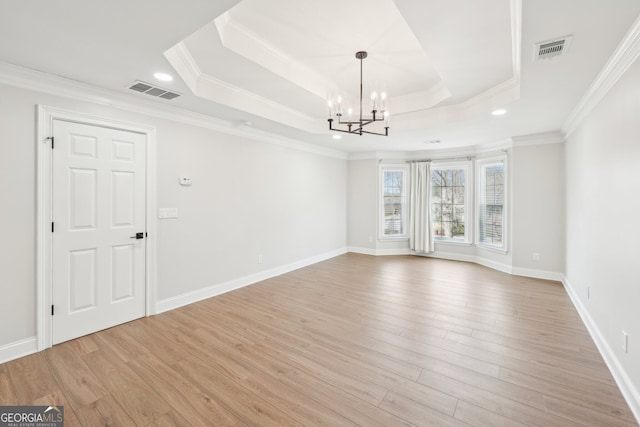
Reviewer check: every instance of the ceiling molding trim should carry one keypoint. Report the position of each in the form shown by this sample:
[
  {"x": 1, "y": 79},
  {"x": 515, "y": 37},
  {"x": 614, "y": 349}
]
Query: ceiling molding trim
[
  {"x": 364, "y": 155},
  {"x": 216, "y": 90},
  {"x": 497, "y": 96},
  {"x": 516, "y": 38},
  {"x": 236, "y": 97},
  {"x": 221, "y": 22},
  {"x": 246, "y": 43},
  {"x": 483, "y": 103},
  {"x": 187, "y": 68},
  {"x": 623, "y": 57},
  {"x": 241, "y": 40},
  {"x": 436, "y": 154},
  {"x": 538, "y": 139},
  {"x": 293, "y": 144},
  {"x": 417, "y": 101},
  {"x": 490, "y": 147},
  {"x": 32, "y": 80}
]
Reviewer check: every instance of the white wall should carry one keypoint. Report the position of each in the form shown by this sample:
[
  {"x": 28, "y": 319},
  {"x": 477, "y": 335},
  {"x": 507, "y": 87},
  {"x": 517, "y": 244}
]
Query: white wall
[
  {"x": 602, "y": 234},
  {"x": 535, "y": 215},
  {"x": 248, "y": 197},
  {"x": 362, "y": 229},
  {"x": 17, "y": 218},
  {"x": 538, "y": 207}
]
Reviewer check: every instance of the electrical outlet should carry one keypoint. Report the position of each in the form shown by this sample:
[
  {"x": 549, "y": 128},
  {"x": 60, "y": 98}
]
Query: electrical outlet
[
  {"x": 260, "y": 259},
  {"x": 625, "y": 342},
  {"x": 536, "y": 256}
]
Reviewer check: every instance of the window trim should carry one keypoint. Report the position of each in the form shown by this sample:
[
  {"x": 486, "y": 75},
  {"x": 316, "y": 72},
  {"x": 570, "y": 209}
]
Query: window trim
[
  {"x": 467, "y": 166},
  {"x": 400, "y": 167},
  {"x": 480, "y": 164}
]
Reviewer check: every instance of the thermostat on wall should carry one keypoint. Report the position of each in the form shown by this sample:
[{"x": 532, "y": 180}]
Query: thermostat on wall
[{"x": 185, "y": 180}]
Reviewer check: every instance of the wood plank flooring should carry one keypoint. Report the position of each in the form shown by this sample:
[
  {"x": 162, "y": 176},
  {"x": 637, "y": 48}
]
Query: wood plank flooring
[{"x": 352, "y": 341}]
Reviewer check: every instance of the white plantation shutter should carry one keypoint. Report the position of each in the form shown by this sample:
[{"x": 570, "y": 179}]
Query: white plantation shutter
[
  {"x": 491, "y": 207},
  {"x": 394, "y": 201},
  {"x": 449, "y": 203}
]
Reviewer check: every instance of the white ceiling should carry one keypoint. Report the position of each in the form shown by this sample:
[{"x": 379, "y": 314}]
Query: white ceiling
[{"x": 446, "y": 64}]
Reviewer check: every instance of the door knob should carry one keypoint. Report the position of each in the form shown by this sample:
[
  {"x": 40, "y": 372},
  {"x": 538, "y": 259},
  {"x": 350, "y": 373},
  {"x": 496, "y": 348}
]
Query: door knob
[{"x": 138, "y": 236}]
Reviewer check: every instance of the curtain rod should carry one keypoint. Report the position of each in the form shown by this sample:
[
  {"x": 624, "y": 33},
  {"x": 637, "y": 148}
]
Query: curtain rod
[{"x": 447, "y": 159}]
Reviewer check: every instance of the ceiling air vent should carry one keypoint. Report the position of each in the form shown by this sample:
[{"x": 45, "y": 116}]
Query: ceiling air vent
[
  {"x": 156, "y": 91},
  {"x": 551, "y": 48}
]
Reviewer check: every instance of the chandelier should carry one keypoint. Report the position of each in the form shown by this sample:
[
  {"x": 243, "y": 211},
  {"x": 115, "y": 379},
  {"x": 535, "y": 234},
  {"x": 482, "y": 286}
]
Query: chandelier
[{"x": 356, "y": 126}]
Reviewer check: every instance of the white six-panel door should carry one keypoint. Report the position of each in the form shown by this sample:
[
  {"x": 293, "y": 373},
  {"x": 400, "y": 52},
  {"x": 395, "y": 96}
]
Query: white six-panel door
[{"x": 98, "y": 277}]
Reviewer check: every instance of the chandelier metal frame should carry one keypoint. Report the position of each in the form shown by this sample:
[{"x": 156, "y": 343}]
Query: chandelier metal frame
[{"x": 357, "y": 127}]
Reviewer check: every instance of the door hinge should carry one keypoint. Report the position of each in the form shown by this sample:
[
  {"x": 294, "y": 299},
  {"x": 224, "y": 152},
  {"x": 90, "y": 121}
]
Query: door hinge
[
  {"x": 53, "y": 227},
  {"x": 53, "y": 141},
  {"x": 52, "y": 309}
]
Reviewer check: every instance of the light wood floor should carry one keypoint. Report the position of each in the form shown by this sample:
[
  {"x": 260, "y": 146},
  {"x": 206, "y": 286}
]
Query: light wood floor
[{"x": 356, "y": 340}]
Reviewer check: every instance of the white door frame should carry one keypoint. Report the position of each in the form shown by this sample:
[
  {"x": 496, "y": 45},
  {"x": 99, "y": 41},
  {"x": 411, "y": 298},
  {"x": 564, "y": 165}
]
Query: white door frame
[{"x": 46, "y": 116}]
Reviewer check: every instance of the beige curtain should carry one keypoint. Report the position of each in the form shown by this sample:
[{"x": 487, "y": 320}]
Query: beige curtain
[{"x": 420, "y": 230}]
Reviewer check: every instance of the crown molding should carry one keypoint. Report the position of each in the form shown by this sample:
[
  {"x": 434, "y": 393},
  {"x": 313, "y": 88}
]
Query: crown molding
[
  {"x": 623, "y": 57},
  {"x": 240, "y": 39},
  {"x": 489, "y": 148},
  {"x": 472, "y": 151},
  {"x": 516, "y": 38},
  {"x": 187, "y": 68},
  {"x": 213, "y": 89},
  {"x": 32, "y": 80},
  {"x": 539, "y": 139}
]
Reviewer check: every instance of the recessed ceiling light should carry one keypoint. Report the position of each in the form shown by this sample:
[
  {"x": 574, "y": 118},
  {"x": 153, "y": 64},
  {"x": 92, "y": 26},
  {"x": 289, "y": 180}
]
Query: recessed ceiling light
[
  {"x": 499, "y": 112},
  {"x": 337, "y": 136},
  {"x": 433, "y": 141},
  {"x": 163, "y": 77}
]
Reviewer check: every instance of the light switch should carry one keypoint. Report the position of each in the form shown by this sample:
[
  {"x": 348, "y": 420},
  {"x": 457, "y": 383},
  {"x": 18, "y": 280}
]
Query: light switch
[{"x": 164, "y": 213}]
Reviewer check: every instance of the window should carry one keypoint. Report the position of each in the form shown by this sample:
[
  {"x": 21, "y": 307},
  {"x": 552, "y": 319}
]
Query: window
[
  {"x": 393, "y": 201},
  {"x": 491, "y": 203},
  {"x": 449, "y": 202}
]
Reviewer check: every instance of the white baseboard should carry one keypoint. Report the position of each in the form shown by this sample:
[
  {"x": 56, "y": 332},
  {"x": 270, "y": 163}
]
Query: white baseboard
[
  {"x": 18, "y": 349},
  {"x": 626, "y": 386},
  {"x": 378, "y": 252},
  {"x": 505, "y": 268},
  {"x": 537, "y": 274},
  {"x": 231, "y": 285},
  {"x": 451, "y": 256},
  {"x": 363, "y": 251},
  {"x": 391, "y": 252}
]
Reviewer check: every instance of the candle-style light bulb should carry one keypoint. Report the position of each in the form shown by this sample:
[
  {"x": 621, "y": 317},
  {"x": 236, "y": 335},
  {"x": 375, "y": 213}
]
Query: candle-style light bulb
[
  {"x": 374, "y": 98},
  {"x": 386, "y": 118},
  {"x": 383, "y": 99}
]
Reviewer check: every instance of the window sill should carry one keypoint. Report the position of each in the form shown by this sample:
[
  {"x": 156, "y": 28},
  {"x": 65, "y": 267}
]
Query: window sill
[
  {"x": 452, "y": 242},
  {"x": 393, "y": 238},
  {"x": 502, "y": 251}
]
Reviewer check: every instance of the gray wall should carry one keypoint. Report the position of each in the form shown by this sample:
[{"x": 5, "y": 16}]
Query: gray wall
[
  {"x": 248, "y": 198},
  {"x": 538, "y": 207},
  {"x": 535, "y": 216},
  {"x": 363, "y": 204},
  {"x": 603, "y": 201}
]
